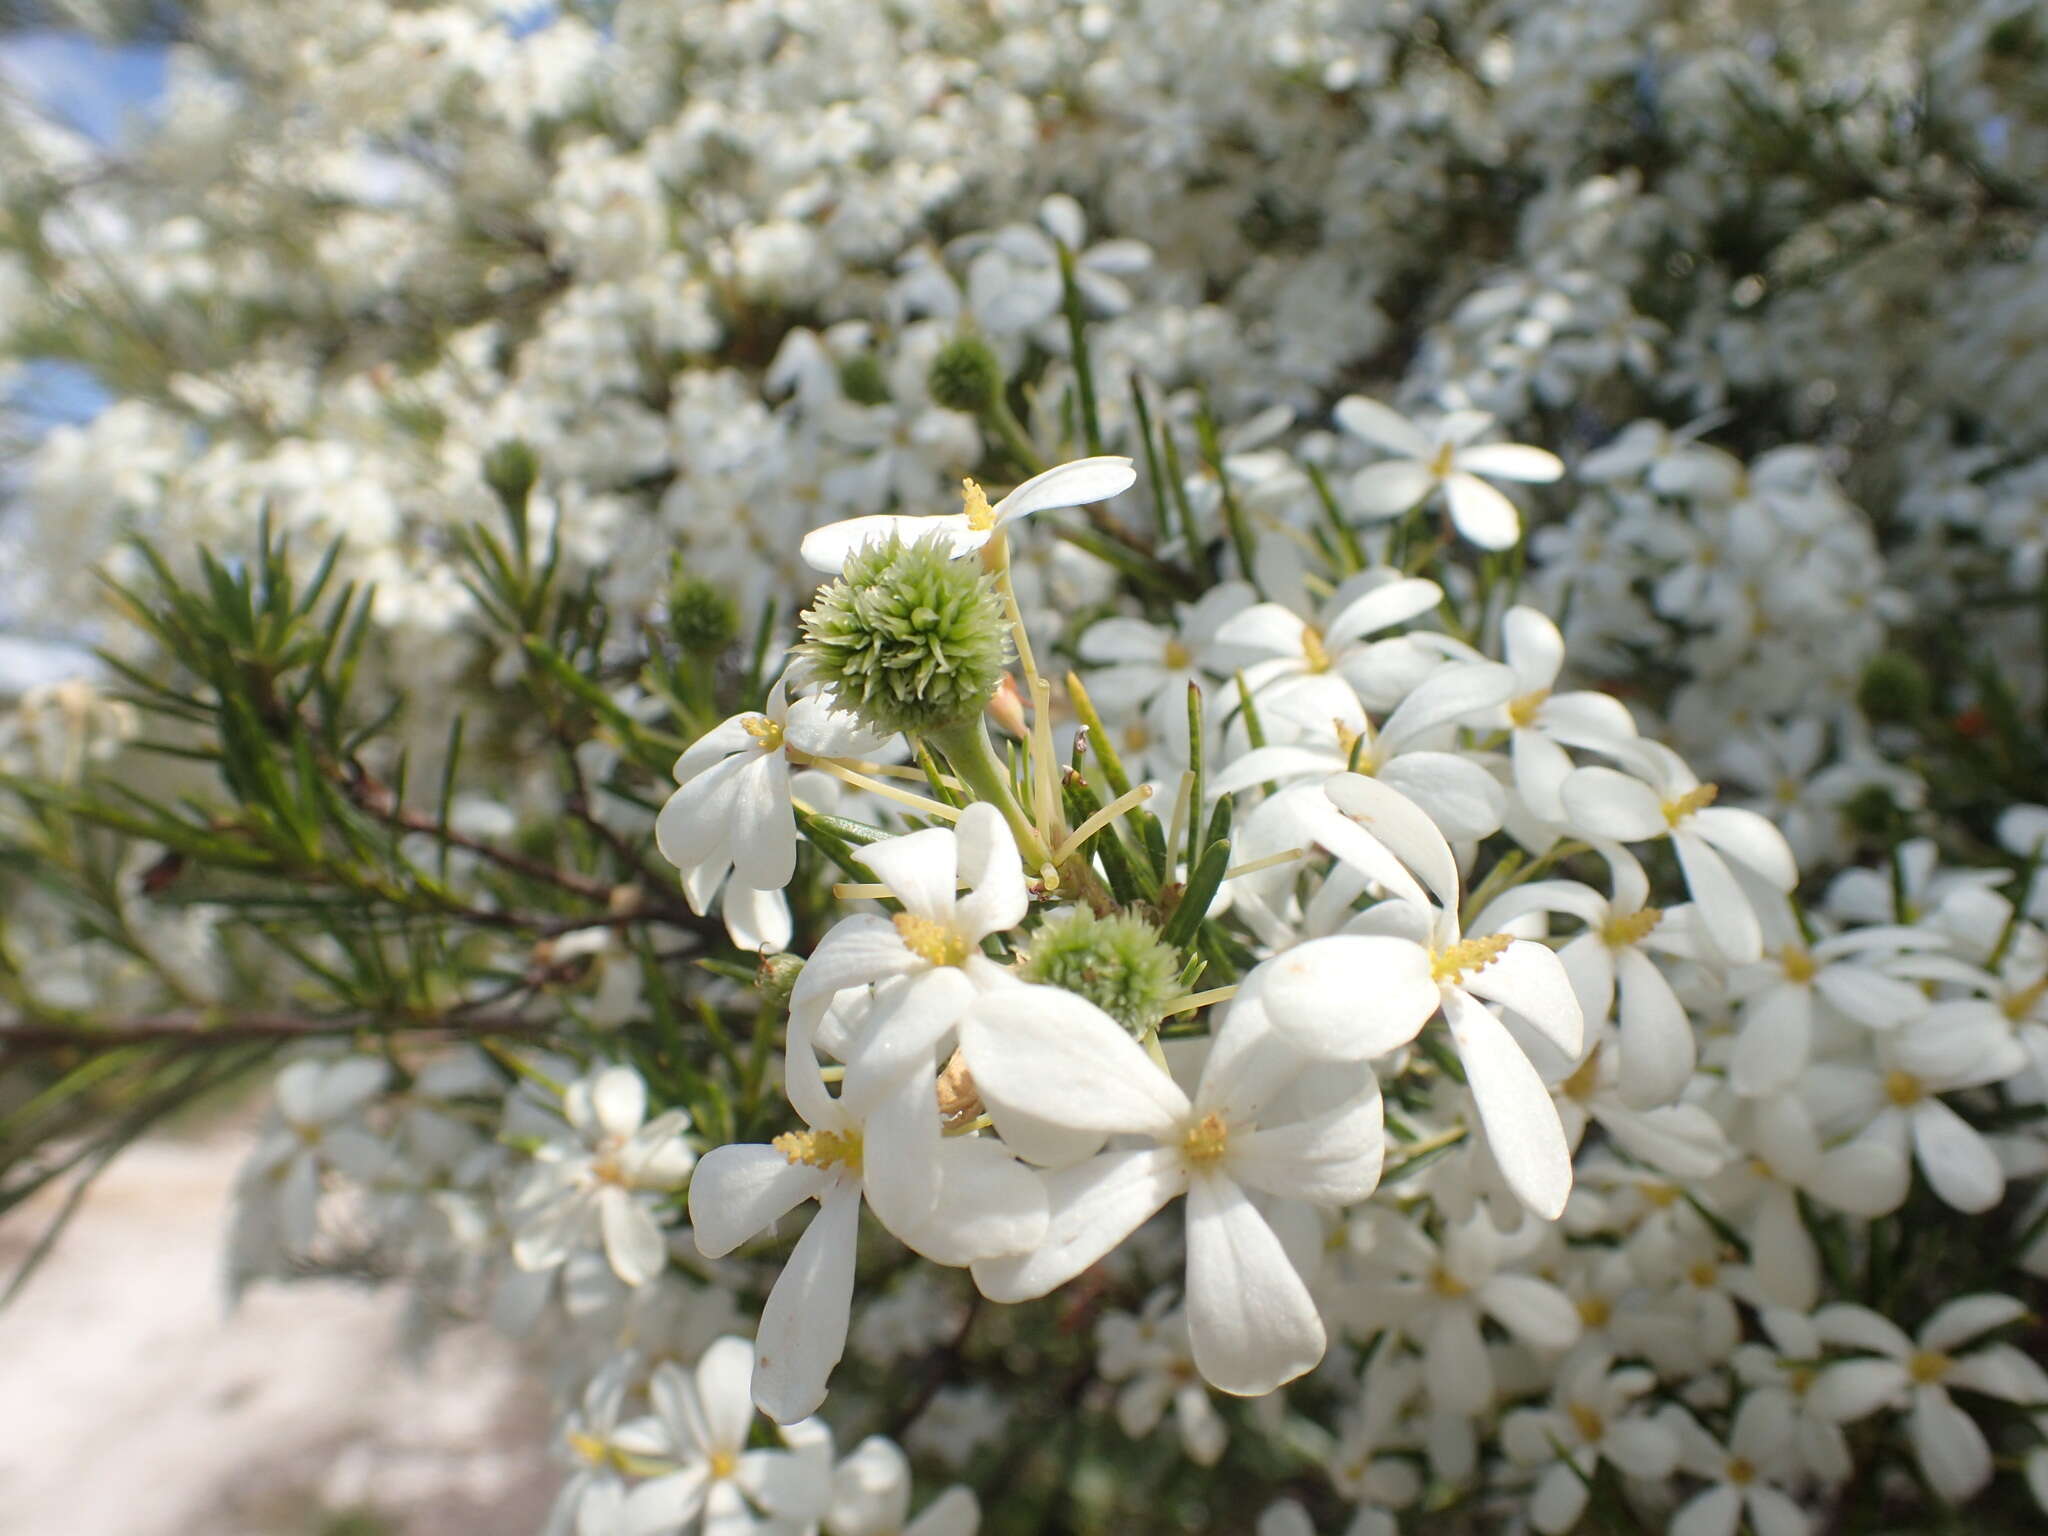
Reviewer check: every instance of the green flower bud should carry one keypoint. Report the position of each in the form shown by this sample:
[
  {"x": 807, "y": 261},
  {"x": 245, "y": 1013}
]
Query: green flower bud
[
  {"x": 702, "y": 616},
  {"x": 908, "y": 638},
  {"x": 965, "y": 376},
  {"x": 510, "y": 469},
  {"x": 860, "y": 376},
  {"x": 1119, "y": 963},
  {"x": 1872, "y": 812},
  {"x": 775, "y": 978},
  {"x": 1895, "y": 689}
]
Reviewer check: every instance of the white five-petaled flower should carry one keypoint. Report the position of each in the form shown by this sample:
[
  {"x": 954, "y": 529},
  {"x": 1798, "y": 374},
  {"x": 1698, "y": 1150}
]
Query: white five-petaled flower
[
  {"x": 1917, "y": 1374},
  {"x": 1443, "y": 457},
  {"x": 731, "y": 808},
  {"x": 1367, "y": 991},
  {"x": 1591, "y": 1418},
  {"x": 871, "y": 1497},
  {"x": 602, "y": 1185},
  {"x": 317, "y": 1104},
  {"x": 1542, "y": 722},
  {"x": 1074, "y": 484},
  {"x": 1059, "y": 1077},
  {"x": 696, "y": 1441}
]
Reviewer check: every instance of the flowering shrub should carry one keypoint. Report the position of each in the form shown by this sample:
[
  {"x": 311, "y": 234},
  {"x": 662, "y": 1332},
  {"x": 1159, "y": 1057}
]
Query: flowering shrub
[{"x": 1446, "y": 887}]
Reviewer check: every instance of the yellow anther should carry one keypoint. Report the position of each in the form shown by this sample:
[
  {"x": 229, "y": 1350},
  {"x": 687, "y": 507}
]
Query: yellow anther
[
  {"x": 1206, "y": 1140},
  {"x": 723, "y": 1465},
  {"x": 1313, "y": 651},
  {"x": 1703, "y": 1274},
  {"x": 1927, "y": 1367},
  {"x": 1799, "y": 1379},
  {"x": 1585, "y": 1079},
  {"x": 1798, "y": 964},
  {"x": 1444, "y": 462},
  {"x": 1447, "y": 1285},
  {"x": 1620, "y": 932},
  {"x": 1523, "y": 710},
  {"x": 1467, "y": 956},
  {"x": 2018, "y": 1005},
  {"x": 1740, "y": 1471},
  {"x": 930, "y": 941},
  {"x": 981, "y": 516},
  {"x": 1595, "y": 1311},
  {"x": 1762, "y": 1169},
  {"x": 1586, "y": 1421},
  {"x": 767, "y": 733},
  {"x": 589, "y": 1448},
  {"x": 1903, "y": 1088},
  {"x": 1661, "y": 1196},
  {"x": 1692, "y": 800},
  {"x": 820, "y": 1149},
  {"x": 1178, "y": 656}
]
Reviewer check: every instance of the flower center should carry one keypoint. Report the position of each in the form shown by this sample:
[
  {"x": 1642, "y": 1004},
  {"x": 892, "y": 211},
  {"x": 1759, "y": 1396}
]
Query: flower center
[
  {"x": 1178, "y": 656},
  {"x": 723, "y": 1465},
  {"x": 1620, "y": 932},
  {"x": 1903, "y": 1088},
  {"x": 1927, "y": 1367},
  {"x": 590, "y": 1448},
  {"x": 1523, "y": 710},
  {"x": 1206, "y": 1141},
  {"x": 1595, "y": 1311},
  {"x": 1444, "y": 462},
  {"x": 1447, "y": 1285},
  {"x": 1457, "y": 961},
  {"x": 1697, "y": 799},
  {"x": 1586, "y": 1421},
  {"x": 1741, "y": 1471},
  {"x": 1798, "y": 964},
  {"x": 981, "y": 516},
  {"x": 932, "y": 942},
  {"x": 1313, "y": 651},
  {"x": 767, "y": 733},
  {"x": 2021, "y": 1003},
  {"x": 1661, "y": 1196},
  {"x": 820, "y": 1149}
]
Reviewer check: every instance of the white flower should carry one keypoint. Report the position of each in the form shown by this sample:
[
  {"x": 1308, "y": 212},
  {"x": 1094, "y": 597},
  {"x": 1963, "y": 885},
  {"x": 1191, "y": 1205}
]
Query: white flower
[
  {"x": 604, "y": 1185},
  {"x": 1590, "y": 1418},
  {"x": 871, "y": 1497},
  {"x": 592, "y": 1501},
  {"x": 1601, "y": 802},
  {"x": 1151, "y": 1354},
  {"x": 1541, "y": 722},
  {"x": 317, "y": 1106},
  {"x": 1044, "y": 1059},
  {"x": 1918, "y": 1373},
  {"x": 1740, "y": 1475},
  {"x": 1074, "y": 484},
  {"x": 1424, "y": 461},
  {"x": 731, "y": 808},
  {"x": 699, "y": 1430},
  {"x": 954, "y": 1199},
  {"x": 1368, "y": 991}
]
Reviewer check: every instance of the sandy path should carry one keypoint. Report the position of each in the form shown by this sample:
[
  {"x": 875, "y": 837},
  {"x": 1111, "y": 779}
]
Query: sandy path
[{"x": 133, "y": 1404}]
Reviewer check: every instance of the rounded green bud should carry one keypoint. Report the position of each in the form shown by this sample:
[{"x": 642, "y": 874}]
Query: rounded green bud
[
  {"x": 862, "y": 380},
  {"x": 908, "y": 638},
  {"x": 510, "y": 470},
  {"x": 1872, "y": 812},
  {"x": 775, "y": 978},
  {"x": 702, "y": 615},
  {"x": 1119, "y": 963},
  {"x": 965, "y": 376},
  {"x": 1895, "y": 689}
]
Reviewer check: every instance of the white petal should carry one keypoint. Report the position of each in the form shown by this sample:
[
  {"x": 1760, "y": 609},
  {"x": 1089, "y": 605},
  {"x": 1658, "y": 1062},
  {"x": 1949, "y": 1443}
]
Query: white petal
[
  {"x": 1380, "y": 607},
  {"x": 1521, "y": 1124},
  {"x": 1061, "y": 1059},
  {"x": 1723, "y": 906},
  {"x": 899, "y": 1154},
  {"x": 1602, "y": 802},
  {"x": 1958, "y": 1162},
  {"x": 763, "y": 825},
  {"x": 1350, "y": 997},
  {"x": 619, "y": 1098},
  {"x": 1383, "y": 426},
  {"x": 911, "y": 1016},
  {"x": 632, "y": 1241},
  {"x": 1772, "y": 1513},
  {"x": 738, "y": 1191},
  {"x": 828, "y": 549},
  {"x": 1511, "y": 461},
  {"x": 1774, "y": 1044},
  {"x": 1251, "y": 1321},
  {"x": 1533, "y": 1310},
  {"x": 1961, "y": 1320},
  {"x": 1854, "y": 1389},
  {"x": 725, "y": 1393},
  {"x": 921, "y": 868},
  {"x": 1092, "y": 1207},
  {"x": 803, "y": 1326},
  {"x": 1749, "y": 839},
  {"x": 1717, "y": 1512},
  {"x": 1531, "y": 980},
  {"x": 988, "y": 862},
  {"x": 1464, "y": 801},
  {"x": 1402, "y": 827},
  {"x": 1481, "y": 513},
  {"x": 1331, "y": 1159},
  {"x": 1075, "y": 484},
  {"x": 989, "y": 1205},
  {"x": 1534, "y": 647},
  {"x": 665, "y": 1504},
  {"x": 1656, "y": 1040},
  {"x": 1389, "y": 488},
  {"x": 952, "y": 1513},
  {"x": 1949, "y": 1446},
  {"x": 1448, "y": 695}
]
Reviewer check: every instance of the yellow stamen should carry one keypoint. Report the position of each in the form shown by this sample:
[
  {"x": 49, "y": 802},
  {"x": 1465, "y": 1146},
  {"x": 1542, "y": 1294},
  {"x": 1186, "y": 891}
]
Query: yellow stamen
[
  {"x": 1196, "y": 1001},
  {"x": 589, "y": 1447},
  {"x": 1692, "y": 800},
  {"x": 820, "y": 1149},
  {"x": 1620, "y": 932},
  {"x": 1313, "y": 650},
  {"x": 1444, "y": 461},
  {"x": 1704, "y": 1274},
  {"x": 1127, "y": 801},
  {"x": 1446, "y": 1284},
  {"x": 1467, "y": 956},
  {"x": 1927, "y": 1367},
  {"x": 1523, "y": 710},
  {"x": 1595, "y": 1311},
  {"x": 2020, "y": 1004},
  {"x": 1206, "y": 1140},
  {"x": 981, "y": 516},
  {"x": 1586, "y": 1421},
  {"x": 1903, "y": 1088},
  {"x": 1798, "y": 964},
  {"x": 932, "y": 942},
  {"x": 767, "y": 733},
  {"x": 1178, "y": 656},
  {"x": 1661, "y": 1196},
  {"x": 1740, "y": 1471},
  {"x": 723, "y": 1465}
]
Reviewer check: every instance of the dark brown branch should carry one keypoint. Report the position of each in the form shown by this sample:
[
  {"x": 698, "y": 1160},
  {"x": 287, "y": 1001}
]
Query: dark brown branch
[{"x": 193, "y": 1028}]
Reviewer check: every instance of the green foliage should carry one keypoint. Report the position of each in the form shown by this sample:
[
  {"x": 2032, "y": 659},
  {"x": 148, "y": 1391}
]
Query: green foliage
[{"x": 1118, "y": 962}]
